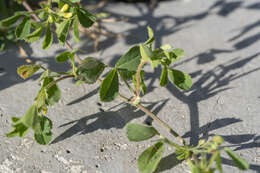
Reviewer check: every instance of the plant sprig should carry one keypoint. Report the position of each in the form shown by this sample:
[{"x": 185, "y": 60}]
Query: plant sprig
[{"x": 129, "y": 68}]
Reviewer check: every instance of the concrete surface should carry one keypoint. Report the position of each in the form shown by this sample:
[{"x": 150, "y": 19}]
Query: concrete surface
[{"x": 221, "y": 41}]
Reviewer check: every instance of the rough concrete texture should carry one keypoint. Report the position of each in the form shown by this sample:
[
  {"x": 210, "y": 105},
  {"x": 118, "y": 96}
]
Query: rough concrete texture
[{"x": 221, "y": 42}]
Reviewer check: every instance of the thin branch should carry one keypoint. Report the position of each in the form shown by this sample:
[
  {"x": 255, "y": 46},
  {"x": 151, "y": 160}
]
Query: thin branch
[
  {"x": 154, "y": 117},
  {"x": 37, "y": 19},
  {"x": 57, "y": 80}
]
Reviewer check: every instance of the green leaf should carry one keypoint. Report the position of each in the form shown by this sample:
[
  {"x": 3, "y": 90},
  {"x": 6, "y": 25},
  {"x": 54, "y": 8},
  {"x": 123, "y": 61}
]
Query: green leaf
[
  {"x": 34, "y": 36},
  {"x": 109, "y": 87},
  {"x": 53, "y": 93},
  {"x": 85, "y": 18},
  {"x": 90, "y": 70},
  {"x": 48, "y": 39},
  {"x": 166, "y": 47},
  {"x": 24, "y": 28},
  {"x": 180, "y": 79},
  {"x": 218, "y": 163},
  {"x": 130, "y": 61},
  {"x": 137, "y": 132},
  {"x": 150, "y": 158},
  {"x": 10, "y": 20},
  {"x": 240, "y": 163},
  {"x": 30, "y": 119},
  {"x": 26, "y": 71},
  {"x": 76, "y": 30},
  {"x": 48, "y": 96},
  {"x": 19, "y": 128},
  {"x": 176, "y": 54},
  {"x": 63, "y": 30},
  {"x": 49, "y": 73},
  {"x": 125, "y": 74},
  {"x": 151, "y": 36},
  {"x": 42, "y": 131},
  {"x": 164, "y": 76},
  {"x": 63, "y": 57},
  {"x": 146, "y": 52}
]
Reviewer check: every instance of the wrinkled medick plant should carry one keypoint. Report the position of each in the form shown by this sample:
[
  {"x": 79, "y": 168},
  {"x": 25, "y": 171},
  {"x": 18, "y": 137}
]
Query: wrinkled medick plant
[{"x": 58, "y": 21}]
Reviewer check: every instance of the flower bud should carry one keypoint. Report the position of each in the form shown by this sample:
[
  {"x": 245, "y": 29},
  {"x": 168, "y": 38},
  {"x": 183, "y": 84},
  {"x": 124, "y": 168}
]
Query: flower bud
[
  {"x": 65, "y": 8},
  {"x": 50, "y": 19},
  {"x": 67, "y": 15}
]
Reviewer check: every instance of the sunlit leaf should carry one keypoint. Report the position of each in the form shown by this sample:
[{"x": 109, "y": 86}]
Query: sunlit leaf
[
  {"x": 109, "y": 87},
  {"x": 130, "y": 60},
  {"x": 240, "y": 163},
  {"x": 146, "y": 52},
  {"x": 23, "y": 29},
  {"x": 63, "y": 30},
  {"x": 76, "y": 30},
  {"x": 181, "y": 79},
  {"x": 164, "y": 77},
  {"x": 63, "y": 57},
  {"x": 34, "y": 36},
  {"x": 218, "y": 163},
  {"x": 151, "y": 36},
  {"x": 30, "y": 119},
  {"x": 48, "y": 39},
  {"x": 42, "y": 131},
  {"x": 138, "y": 132},
  {"x": 10, "y": 20},
  {"x": 19, "y": 129},
  {"x": 150, "y": 158}
]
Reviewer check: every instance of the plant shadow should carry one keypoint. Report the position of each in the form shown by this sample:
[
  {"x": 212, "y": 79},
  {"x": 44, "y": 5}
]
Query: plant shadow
[{"x": 106, "y": 120}]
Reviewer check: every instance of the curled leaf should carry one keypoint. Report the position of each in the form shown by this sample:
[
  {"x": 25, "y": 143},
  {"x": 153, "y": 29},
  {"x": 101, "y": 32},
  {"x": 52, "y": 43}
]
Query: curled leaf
[{"x": 26, "y": 71}]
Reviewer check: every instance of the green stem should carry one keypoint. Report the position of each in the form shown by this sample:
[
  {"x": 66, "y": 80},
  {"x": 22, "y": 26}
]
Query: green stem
[
  {"x": 212, "y": 159},
  {"x": 58, "y": 80},
  {"x": 170, "y": 142},
  {"x": 49, "y": 3},
  {"x": 154, "y": 117},
  {"x": 138, "y": 77}
]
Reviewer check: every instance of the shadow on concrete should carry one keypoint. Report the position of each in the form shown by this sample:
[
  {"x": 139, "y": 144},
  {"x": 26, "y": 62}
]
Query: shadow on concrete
[
  {"x": 11, "y": 60},
  {"x": 106, "y": 120}
]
